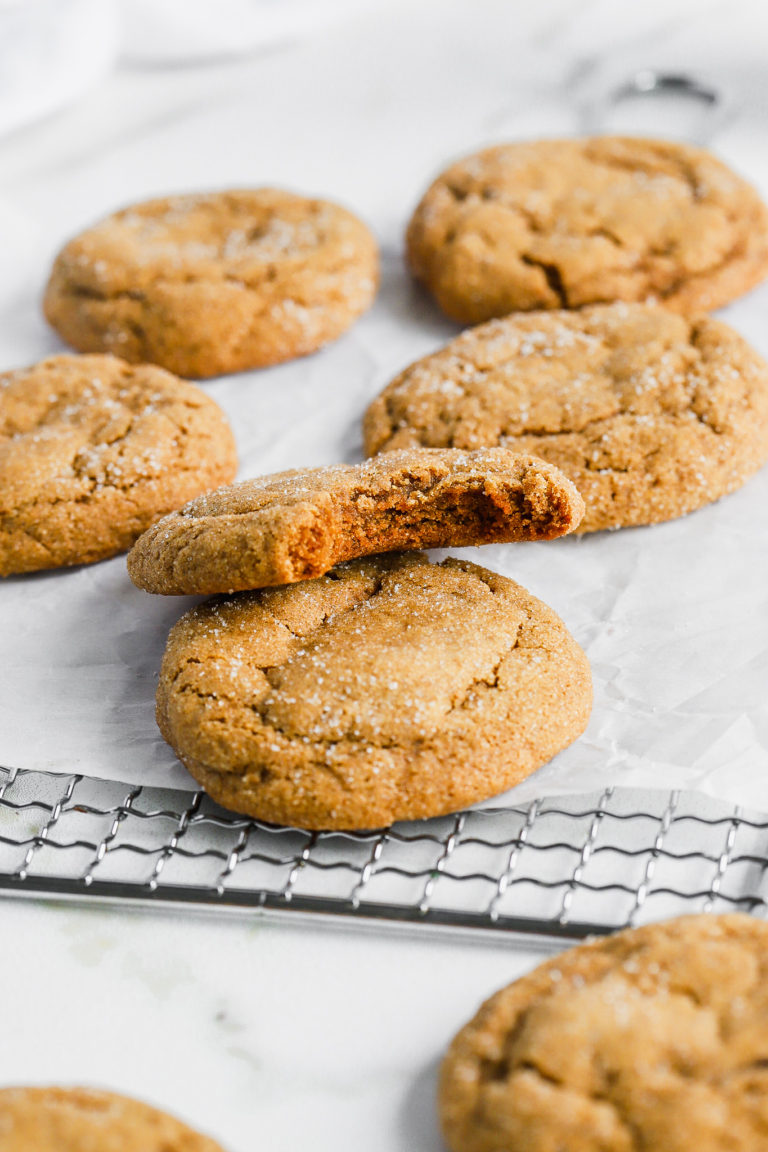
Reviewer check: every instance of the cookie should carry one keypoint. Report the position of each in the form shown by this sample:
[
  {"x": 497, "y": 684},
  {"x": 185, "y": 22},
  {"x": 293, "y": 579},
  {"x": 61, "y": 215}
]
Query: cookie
[
  {"x": 651, "y": 415},
  {"x": 297, "y": 525},
  {"x": 564, "y": 223},
  {"x": 215, "y": 283},
  {"x": 390, "y": 689},
  {"x": 93, "y": 451},
  {"x": 656, "y": 1038},
  {"x": 86, "y": 1120}
]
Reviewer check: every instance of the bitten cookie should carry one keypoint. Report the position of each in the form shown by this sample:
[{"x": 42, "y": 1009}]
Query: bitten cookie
[
  {"x": 93, "y": 450},
  {"x": 564, "y": 223},
  {"x": 390, "y": 689},
  {"x": 86, "y": 1120},
  {"x": 655, "y": 1038},
  {"x": 297, "y": 525},
  {"x": 651, "y": 415},
  {"x": 214, "y": 283}
]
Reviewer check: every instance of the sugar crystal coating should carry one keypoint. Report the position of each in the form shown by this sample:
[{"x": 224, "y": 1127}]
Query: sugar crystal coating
[
  {"x": 296, "y": 525},
  {"x": 650, "y": 414},
  {"x": 564, "y": 223},
  {"x": 212, "y": 283},
  {"x": 93, "y": 450},
  {"x": 654, "y": 1038},
  {"x": 389, "y": 689},
  {"x": 88, "y": 1120}
]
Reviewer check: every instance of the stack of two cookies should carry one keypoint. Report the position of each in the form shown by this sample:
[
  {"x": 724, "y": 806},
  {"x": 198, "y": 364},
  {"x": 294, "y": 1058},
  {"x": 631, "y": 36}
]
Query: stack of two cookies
[{"x": 342, "y": 680}]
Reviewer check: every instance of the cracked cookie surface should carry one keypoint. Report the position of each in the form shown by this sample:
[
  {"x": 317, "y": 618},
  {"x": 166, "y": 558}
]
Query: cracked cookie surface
[
  {"x": 88, "y": 1120},
  {"x": 650, "y": 415},
  {"x": 389, "y": 689},
  {"x": 214, "y": 283},
  {"x": 297, "y": 525},
  {"x": 564, "y": 223},
  {"x": 93, "y": 451},
  {"x": 656, "y": 1038}
]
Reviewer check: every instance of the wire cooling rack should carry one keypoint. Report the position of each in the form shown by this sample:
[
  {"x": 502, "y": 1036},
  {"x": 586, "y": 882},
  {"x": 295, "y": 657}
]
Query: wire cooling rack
[{"x": 568, "y": 866}]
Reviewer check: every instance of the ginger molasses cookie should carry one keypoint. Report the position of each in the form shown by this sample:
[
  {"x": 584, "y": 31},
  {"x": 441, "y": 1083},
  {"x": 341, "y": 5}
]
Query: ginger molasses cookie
[
  {"x": 214, "y": 283},
  {"x": 296, "y": 525},
  {"x": 93, "y": 451},
  {"x": 656, "y": 1038},
  {"x": 650, "y": 414},
  {"x": 389, "y": 689},
  {"x": 564, "y": 223},
  {"x": 87, "y": 1120}
]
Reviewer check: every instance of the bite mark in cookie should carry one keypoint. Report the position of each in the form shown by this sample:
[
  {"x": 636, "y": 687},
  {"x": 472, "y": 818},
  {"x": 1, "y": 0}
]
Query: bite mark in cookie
[
  {"x": 651, "y": 415},
  {"x": 297, "y": 525}
]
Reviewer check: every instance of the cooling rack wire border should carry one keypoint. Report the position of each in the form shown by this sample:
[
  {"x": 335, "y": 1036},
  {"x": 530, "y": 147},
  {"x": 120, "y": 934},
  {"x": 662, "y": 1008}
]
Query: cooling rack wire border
[{"x": 565, "y": 866}]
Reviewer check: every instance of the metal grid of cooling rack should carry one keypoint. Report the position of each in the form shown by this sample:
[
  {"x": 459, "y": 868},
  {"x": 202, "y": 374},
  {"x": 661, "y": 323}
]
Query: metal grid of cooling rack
[{"x": 567, "y": 866}]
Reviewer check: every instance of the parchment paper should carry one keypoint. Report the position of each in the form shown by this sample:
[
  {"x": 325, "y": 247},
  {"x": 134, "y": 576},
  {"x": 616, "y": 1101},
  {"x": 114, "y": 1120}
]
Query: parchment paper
[{"x": 674, "y": 617}]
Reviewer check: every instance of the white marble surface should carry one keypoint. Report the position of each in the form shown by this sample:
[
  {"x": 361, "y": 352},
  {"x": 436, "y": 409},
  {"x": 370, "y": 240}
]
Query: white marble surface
[
  {"x": 276, "y": 1035},
  {"x": 267, "y": 1036}
]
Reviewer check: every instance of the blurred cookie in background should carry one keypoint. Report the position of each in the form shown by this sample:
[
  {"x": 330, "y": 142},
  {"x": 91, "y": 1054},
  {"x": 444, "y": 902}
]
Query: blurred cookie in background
[
  {"x": 565, "y": 223},
  {"x": 216, "y": 282},
  {"x": 89, "y": 1120}
]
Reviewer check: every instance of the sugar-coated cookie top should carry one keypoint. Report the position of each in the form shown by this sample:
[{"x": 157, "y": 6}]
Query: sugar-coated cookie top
[
  {"x": 391, "y": 688},
  {"x": 93, "y": 450},
  {"x": 87, "y": 1120},
  {"x": 564, "y": 223},
  {"x": 214, "y": 282},
  {"x": 296, "y": 525},
  {"x": 650, "y": 414},
  {"x": 656, "y": 1038},
  {"x": 254, "y": 236}
]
